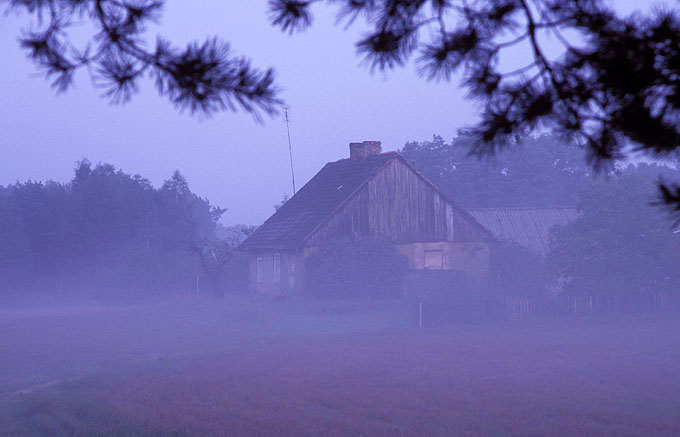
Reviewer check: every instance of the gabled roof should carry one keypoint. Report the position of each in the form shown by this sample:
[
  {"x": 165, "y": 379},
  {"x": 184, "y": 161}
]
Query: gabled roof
[
  {"x": 528, "y": 227},
  {"x": 325, "y": 194},
  {"x": 316, "y": 202}
]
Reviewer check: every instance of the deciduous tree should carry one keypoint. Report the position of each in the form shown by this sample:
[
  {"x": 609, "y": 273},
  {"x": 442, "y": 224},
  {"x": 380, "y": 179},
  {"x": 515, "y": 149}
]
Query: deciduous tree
[
  {"x": 618, "y": 244},
  {"x": 546, "y": 170}
]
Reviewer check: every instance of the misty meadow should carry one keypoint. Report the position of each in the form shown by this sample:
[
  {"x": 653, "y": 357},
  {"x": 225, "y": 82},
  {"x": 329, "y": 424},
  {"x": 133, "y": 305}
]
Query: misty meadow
[
  {"x": 233, "y": 218},
  {"x": 130, "y": 309}
]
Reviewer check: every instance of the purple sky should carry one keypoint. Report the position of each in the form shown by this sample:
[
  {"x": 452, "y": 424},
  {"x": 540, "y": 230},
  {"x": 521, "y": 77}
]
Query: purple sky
[{"x": 229, "y": 158}]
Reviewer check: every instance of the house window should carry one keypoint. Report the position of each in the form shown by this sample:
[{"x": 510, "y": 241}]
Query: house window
[
  {"x": 434, "y": 259},
  {"x": 277, "y": 268},
  {"x": 291, "y": 276},
  {"x": 259, "y": 270}
]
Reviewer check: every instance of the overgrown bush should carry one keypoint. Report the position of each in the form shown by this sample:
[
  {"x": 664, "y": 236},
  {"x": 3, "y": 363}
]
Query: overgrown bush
[
  {"x": 236, "y": 273},
  {"x": 356, "y": 269},
  {"x": 516, "y": 272}
]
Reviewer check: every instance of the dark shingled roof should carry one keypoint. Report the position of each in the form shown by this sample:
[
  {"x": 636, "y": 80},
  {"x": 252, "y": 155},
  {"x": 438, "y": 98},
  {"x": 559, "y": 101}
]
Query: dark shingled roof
[{"x": 316, "y": 202}]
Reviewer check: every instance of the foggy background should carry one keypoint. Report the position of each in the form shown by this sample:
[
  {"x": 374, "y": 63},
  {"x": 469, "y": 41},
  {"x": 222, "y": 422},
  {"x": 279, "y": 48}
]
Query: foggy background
[{"x": 229, "y": 158}]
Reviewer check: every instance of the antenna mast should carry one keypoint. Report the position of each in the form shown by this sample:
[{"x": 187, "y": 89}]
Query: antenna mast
[{"x": 290, "y": 147}]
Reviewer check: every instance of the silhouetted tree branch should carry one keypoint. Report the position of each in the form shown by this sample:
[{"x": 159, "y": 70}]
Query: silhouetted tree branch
[
  {"x": 203, "y": 78},
  {"x": 616, "y": 81}
]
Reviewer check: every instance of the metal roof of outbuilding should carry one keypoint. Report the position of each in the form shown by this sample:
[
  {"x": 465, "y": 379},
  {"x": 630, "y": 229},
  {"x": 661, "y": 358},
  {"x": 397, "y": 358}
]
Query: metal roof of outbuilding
[{"x": 528, "y": 227}]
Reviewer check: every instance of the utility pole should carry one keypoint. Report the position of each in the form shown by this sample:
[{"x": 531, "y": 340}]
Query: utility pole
[{"x": 290, "y": 147}]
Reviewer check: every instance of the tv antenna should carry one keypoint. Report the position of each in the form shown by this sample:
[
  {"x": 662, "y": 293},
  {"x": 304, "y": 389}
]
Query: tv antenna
[{"x": 290, "y": 147}]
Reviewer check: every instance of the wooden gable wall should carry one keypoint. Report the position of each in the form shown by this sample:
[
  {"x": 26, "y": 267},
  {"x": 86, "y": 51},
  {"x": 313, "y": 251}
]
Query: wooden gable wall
[
  {"x": 400, "y": 206},
  {"x": 350, "y": 222}
]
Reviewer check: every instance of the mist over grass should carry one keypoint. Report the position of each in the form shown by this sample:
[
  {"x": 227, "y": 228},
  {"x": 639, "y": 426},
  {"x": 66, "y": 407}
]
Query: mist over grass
[
  {"x": 244, "y": 366},
  {"x": 111, "y": 321}
]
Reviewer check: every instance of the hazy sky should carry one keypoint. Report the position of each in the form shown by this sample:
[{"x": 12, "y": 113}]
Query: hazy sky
[{"x": 229, "y": 158}]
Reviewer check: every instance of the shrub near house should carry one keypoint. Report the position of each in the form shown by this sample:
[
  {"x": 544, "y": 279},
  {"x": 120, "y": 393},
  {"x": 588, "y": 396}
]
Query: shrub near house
[{"x": 357, "y": 268}]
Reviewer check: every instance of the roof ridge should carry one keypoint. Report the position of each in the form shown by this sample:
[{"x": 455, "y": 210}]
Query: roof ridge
[{"x": 389, "y": 152}]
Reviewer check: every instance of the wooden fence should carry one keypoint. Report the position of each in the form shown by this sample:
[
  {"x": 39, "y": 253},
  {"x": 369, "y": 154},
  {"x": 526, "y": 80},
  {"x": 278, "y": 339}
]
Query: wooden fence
[{"x": 441, "y": 312}]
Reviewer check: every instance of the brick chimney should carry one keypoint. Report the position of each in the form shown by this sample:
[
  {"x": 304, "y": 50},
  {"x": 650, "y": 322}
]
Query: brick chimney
[{"x": 361, "y": 150}]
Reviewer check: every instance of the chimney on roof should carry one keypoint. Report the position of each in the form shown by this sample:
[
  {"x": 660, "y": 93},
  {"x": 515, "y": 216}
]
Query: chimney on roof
[{"x": 362, "y": 150}]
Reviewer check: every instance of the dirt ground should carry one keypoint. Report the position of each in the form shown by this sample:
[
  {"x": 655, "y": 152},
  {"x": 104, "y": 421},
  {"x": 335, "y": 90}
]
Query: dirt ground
[{"x": 241, "y": 366}]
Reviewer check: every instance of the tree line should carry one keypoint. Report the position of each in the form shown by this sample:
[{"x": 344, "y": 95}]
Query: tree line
[
  {"x": 106, "y": 231},
  {"x": 112, "y": 233}
]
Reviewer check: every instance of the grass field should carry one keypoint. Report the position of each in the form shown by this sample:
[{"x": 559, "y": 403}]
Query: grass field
[{"x": 241, "y": 367}]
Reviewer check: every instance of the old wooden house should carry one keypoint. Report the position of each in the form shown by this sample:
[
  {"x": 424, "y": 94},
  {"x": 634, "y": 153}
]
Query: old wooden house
[{"x": 368, "y": 195}]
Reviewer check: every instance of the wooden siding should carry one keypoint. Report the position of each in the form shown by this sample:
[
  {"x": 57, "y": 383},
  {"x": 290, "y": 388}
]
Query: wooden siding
[
  {"x": 351, "y": 222},
  {"x": 405, "y": 208},
  {"x": 288, "y": 279},
  {"x": 400, "y": 206},
  {"x": 471, "y": 258}
]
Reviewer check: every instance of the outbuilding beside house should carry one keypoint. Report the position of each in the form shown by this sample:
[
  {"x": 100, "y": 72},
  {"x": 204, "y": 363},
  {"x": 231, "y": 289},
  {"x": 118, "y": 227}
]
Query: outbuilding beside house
[{"x": 528, "y": 227}]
